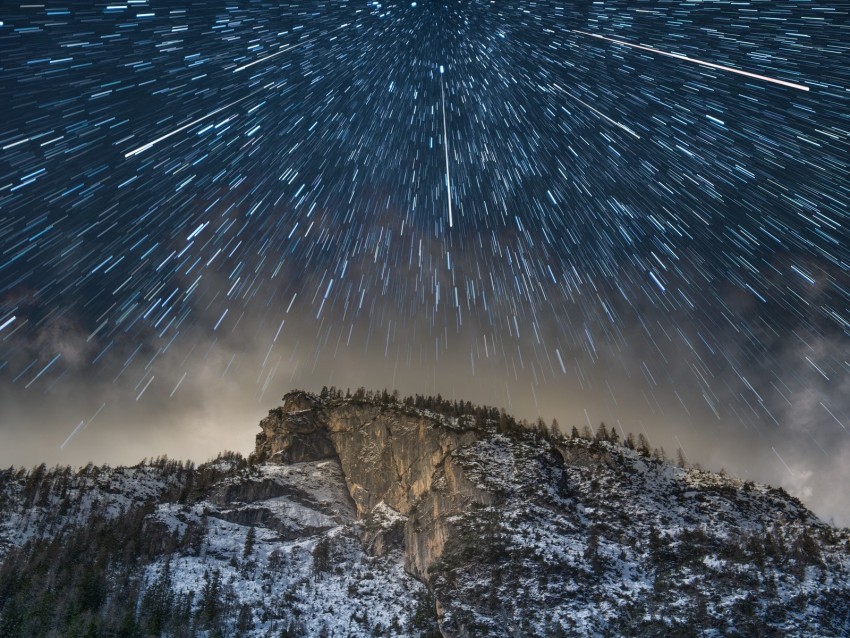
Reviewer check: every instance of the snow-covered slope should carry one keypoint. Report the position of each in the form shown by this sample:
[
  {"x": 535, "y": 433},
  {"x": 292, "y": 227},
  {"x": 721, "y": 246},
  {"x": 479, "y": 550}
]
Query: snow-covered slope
[
  {"x": 42, "y": 502},
  {"x": 306, "y": 569},
  {"x": 373, "y": 516},
  {"x": 590, "y": 538}
]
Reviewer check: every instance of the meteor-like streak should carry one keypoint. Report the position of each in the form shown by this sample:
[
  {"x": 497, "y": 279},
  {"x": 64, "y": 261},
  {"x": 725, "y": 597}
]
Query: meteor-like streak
[
  {"x": 446, "y": 145},
  {"x": 151, "y": 144},
  {"x": 711, "y": 65},
  {"x": 71, "y": 435},
  {"x": 599, "y": 113},
  {"x": 272, "y": 55},
  {"x": 284, "y": 50}
]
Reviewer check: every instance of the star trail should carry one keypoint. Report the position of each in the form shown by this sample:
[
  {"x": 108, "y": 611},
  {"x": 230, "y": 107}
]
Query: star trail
[{"x": 635, "y": 211}]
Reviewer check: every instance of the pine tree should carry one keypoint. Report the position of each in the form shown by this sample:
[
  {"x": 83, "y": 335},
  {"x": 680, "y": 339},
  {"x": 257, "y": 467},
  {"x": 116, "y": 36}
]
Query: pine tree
[
  {"x": 322, "y": 556},
  {"x": 504, "y": 422},
  {"x": 245, "y": 620},
  {"x": 128, "y": 627},
  {"x": 602, "y": 432},
  {"x": 210, "y": 598},
  {"x": 157, "y": 602},
  {"x": 250, "y": 538},
  {"x": 643, "y": 445},
  {"x": 591, "y": 552},
  {"x": 540, "y": 426}
]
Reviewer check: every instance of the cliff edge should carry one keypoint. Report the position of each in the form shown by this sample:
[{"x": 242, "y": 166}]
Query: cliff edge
[{"x": 392, "y": 456}]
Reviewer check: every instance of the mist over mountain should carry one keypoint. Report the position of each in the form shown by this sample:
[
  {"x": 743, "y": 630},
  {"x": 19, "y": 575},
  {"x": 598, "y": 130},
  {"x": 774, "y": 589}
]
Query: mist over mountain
[{"x": 373, "y": 515}]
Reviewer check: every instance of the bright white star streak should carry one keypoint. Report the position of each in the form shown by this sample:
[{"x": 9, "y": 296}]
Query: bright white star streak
[
  {"x": 162, "y": 138},
  {"x": 284, "y": 50},
  {"x": 446, "y": 145},
  {"x": 269, "y": 57},
  {"x": 711, "y": 65},
  {"x": 602, "y": 115}
]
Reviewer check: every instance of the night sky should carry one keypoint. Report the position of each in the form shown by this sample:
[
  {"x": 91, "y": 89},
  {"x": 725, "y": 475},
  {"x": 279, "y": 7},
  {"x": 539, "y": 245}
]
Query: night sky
[{"x": 634, "y": 212}]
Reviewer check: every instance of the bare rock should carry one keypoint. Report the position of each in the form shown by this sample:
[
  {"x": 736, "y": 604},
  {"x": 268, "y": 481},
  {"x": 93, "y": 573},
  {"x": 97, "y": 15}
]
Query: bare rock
[{"x": 392, "y": 456}]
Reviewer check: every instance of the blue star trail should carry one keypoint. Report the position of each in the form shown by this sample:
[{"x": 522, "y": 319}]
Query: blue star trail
[{"x": 614, "y": 202}]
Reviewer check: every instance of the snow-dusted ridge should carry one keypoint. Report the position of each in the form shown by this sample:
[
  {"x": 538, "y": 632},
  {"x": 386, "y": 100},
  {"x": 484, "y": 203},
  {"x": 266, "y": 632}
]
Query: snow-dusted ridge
[{"x": 374, "y": 516}]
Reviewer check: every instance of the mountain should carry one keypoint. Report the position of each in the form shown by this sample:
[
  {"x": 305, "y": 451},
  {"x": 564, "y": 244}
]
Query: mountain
[{"x": 368, "y": 515}]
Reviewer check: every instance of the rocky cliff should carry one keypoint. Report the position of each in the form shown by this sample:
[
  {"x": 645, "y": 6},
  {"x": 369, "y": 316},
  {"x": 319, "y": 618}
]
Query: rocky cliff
[
  {"x": 367, "y": 515},
  {"x": 503, "y": 523},
  {"x": 392, "y": 456}
]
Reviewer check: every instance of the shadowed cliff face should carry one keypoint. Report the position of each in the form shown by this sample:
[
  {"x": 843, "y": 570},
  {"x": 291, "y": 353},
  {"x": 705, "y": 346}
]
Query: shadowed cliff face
[
  {"x": 293, "y": 432},
  {"x": 391, "y": 457}
]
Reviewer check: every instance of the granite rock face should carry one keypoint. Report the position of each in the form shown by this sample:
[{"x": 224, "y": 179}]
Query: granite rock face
[
  {"x": 392, "y": 458},
  {"x": 292, "y": 433}
]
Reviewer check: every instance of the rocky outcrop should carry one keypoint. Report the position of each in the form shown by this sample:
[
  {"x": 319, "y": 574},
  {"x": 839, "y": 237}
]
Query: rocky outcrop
[
  {"x": 284, "y": 500},
  {"x": 293, "y": 433},
  {"x": 584, "y": 457},
  {"x": 392, "y": 456}
]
